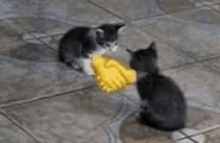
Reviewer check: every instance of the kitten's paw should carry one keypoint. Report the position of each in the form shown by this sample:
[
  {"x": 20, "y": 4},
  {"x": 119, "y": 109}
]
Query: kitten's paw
[
  {"x": 114, "y": 49},
  {"x": 88, "y": 72}
]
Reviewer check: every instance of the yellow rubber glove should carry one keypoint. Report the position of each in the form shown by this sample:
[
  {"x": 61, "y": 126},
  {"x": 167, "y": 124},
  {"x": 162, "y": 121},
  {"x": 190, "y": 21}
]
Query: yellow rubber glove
[{"x": 111, "y": 75}]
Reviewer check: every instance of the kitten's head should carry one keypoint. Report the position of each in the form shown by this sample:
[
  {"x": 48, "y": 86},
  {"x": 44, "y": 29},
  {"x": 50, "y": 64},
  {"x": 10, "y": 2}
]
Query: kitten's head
[
  {"x": 107, "y": 34},
  {"x": 144, "y": 60}
]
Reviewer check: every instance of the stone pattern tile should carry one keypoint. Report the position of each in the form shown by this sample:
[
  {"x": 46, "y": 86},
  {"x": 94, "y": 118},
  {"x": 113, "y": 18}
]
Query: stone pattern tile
[
  {"x": 206, "y": 2},
  {"x": 19, "y": 78},
  {"x": 39, "y": 27},
  {"x": 214, "y": 64},
  {"x": 196, "y": 116},
  {"x": 216, "y": 6},
  {"x": 213, "y": 120},
  {"x": 10, "y": 133},
  {"x": 200, "y": 85},
  {"x": 203, "y": 15},
  {"x": 130, "y": 131},
  {"x": 197, "y": 41},
  {"x": 30, "y": 51},
  {"x": 73, "y": 117},
  {"x": 77, "y": 10},
  {"x": 6, "y": 11},
  {"x": 9, "y": 33},
  {"x": 46, "y": 26},
  {"x": 133, "y": 10}
]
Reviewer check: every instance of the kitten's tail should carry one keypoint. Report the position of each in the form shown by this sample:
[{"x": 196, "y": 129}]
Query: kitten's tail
[{"x": 161, "y": 123}]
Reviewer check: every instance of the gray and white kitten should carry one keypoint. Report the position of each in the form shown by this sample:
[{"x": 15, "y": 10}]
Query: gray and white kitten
[
  {"x": 163, "y": 105},
  {"x": 80, "y": 44}
]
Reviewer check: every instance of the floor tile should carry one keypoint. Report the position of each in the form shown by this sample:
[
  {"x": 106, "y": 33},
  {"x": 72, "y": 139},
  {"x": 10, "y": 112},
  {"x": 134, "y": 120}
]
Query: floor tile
[
  {"x": 216, "y": 6},
  {"x": 70, "y": 10},
  {"x": 214, "y": 135},
  {"x": 31, "y": 50},
  {"x": 53, "y": 42},
  {"x": 173, "y": 7},
  {"x": 196, "y": 116},
  {"x": 198, "y": 41},
  {"x": 181, "y": 136},
  {"x": 201, "y": 15},
  {"x": 95, "y": 136},
  {"x": 26, "y": 80},
  {"x": 10, "y": 133},
  {"x": 132, "y": 10},
  {"x": 131, "y": 131},
  {"x": 34, "y": 26},
  {"x": 6, "y": 11},
  {"x": 69, "y": 118},
  {"x": 207, "y": 2},
  {"x": 214, "y": 64},
  {"x": 200, "y": 85},
  {"x": 9, "y": 33}
]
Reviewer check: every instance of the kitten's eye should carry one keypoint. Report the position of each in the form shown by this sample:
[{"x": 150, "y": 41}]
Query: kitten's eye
[
  {"x": 116, "y": 43},
  {"x": 108, "y": 45}
]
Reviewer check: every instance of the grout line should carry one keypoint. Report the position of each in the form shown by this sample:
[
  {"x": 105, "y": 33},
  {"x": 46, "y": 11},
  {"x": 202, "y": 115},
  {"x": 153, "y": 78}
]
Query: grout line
[
  {"x": 39, "y": 38},
  {"x": 147, "y": 17},
  {"x": 201, "y": 131},
  {"x": 106, "y": 10},
  {"x": 19, "y": 126},
  {"x": 53, "y": 35},
  {"x": 210, "y": 6},
  {"x": 43, "y": 98},
  {"x": 188, "y": 137},
  {"x": 195, "y": 62},
  {"x": 46, "y": 44},
  {"x": 165, "y": 14},
  {"x": 210, "y": 129}
]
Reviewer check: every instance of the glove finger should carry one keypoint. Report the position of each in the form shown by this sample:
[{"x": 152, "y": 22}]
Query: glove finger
[{"x": 120, "y": 81}]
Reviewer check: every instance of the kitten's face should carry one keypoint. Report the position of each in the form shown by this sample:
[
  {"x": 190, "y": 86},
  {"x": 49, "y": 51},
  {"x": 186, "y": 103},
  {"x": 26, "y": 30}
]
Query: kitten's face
[
  {"x": 109, "y": 35},
  {"x": 144, "y": 60}
]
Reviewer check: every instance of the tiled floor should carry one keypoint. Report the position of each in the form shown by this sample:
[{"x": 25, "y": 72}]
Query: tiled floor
[{"x": 44, "y": 101}]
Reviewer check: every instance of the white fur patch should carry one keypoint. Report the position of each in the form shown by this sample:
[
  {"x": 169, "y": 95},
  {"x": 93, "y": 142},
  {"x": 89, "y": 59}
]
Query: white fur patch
[
  {"x": 87, "y": 66},
  {"x": 114, "y": 49},
  {"x": 102, "y": 51}
]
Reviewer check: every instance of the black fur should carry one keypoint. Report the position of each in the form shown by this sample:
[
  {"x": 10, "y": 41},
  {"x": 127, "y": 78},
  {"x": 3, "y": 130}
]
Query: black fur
[{"x": 163, "y": 103}]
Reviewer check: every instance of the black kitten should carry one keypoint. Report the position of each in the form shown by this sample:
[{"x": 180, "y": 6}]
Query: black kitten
[
  {"x": 162, "y": 102},
  {"x": 81, "y": 43}
]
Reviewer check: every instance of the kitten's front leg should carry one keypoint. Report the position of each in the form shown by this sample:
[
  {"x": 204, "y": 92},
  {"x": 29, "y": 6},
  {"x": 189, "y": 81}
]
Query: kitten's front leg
[
  {"x": 114, "y": 49},
  {"x": 87, "y": 67}
]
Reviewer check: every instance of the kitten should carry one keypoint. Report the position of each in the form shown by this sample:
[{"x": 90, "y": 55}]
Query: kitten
[
  {"x": 163, "y": 105},
  {"x": 81, "y": 43}
]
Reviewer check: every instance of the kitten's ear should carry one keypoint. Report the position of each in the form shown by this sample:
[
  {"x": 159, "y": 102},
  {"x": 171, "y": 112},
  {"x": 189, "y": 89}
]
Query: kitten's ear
[
  {"x": 120, "y": 27},
  {"x": 100, "y": 32},
  {"x": 129, "y": 51},
  {"x": 152, "y": 46}
]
